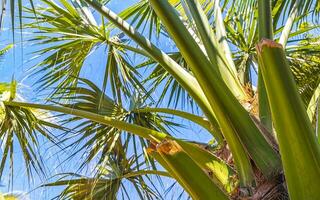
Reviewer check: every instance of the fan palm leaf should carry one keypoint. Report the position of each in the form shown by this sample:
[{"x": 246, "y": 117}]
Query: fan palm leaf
[
  {"x": 22, "y": 128},
  {"x": 65, "y": 57}
]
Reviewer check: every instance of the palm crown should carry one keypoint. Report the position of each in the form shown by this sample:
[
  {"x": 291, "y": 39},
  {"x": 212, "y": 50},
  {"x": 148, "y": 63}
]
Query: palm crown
[{"x": 218, "y": 51}]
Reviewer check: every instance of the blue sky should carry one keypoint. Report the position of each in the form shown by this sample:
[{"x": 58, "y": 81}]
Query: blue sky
[{"x": 18, "y": 61}]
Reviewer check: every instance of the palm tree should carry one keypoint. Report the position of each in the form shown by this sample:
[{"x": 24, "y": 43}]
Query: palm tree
[{"x": 265, "y": 136}]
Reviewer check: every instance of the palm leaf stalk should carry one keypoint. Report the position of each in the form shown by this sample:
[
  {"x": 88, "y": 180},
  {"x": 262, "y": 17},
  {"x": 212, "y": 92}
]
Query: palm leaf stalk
[
  {"x": 185, "y": 115},
  {"x": 265, "y": 31},
  {"x": 288, "y": 26},
  {"x": 139, "y": 130},
  {"x": 222, "y": 174},
  {"x": 21, "y": 129},
  {"x": 292, "y": 123},
  {"x": 226, "y": 66},
  {"x": 175, "y": 160}
]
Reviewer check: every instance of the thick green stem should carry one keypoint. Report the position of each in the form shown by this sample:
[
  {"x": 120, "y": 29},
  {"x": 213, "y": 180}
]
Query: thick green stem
[
  {"x": 265, "y": 19},
  {"x": 222, "y": 174},
  {"x": 265, "y": 31},
  {"x": 264, "y": 109},
  {"x": 299, "y": 149},
  {"x": 193, "y": 178}
]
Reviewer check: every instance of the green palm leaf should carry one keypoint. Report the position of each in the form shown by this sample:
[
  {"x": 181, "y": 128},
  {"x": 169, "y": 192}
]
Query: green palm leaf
[
  {"x": 109, "y": 182},
  {"x": 22, "y": 128},
  {"x": 64, "y": 58}
]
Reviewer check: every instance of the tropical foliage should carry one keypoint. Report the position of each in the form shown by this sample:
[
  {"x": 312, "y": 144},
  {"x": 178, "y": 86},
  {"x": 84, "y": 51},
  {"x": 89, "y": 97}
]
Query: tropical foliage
[{"x": 247, "y": 72}]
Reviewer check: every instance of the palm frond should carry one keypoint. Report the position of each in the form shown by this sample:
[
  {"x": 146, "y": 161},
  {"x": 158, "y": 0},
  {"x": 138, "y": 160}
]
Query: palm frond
[
  {"x": 305, "y": 66},
  {"x": 66, "y": 54},
  {"x": 22, "y": 128},
  {"x": 99, "y": 140},
  {"x": 171, "y": 91},
  {"x": 68, "y": 39},
  {"x": 111, "y": 181}
]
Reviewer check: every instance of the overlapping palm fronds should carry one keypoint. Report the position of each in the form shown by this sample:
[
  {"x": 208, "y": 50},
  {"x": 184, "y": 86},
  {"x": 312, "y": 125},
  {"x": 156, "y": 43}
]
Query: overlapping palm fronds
[
  {"x": 172, "y": 91},
  {"x": 210, "y": 64},
  {"x": 306, "y": 70},
  {"x": 98, "y": 140},
  {"x": 111, "y": 181},
  {"x": 21, "y": 129},
  {"x": 72, "y": 43},
  {"x": 68, "y": 39}
]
